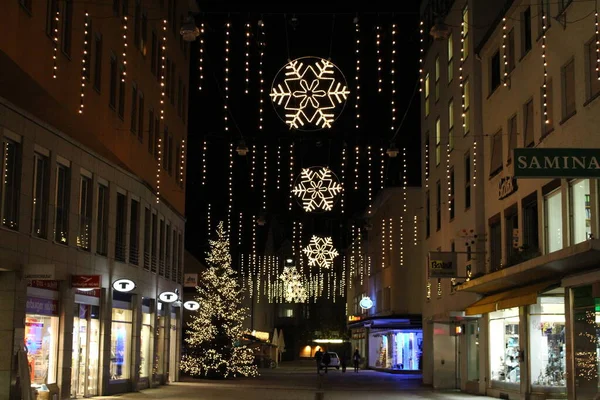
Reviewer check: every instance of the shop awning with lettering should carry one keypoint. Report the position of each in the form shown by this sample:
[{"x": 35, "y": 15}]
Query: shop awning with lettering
[{"x": 523, "y": 296}]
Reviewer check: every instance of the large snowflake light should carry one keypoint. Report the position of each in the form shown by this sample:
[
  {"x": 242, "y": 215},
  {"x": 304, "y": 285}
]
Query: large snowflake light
[
  {"x": 293, "y": 286},
  {"x": 320, "y": 252},
  {"x": 317, "y": 188},
  {"x": 312, "y": 95}
]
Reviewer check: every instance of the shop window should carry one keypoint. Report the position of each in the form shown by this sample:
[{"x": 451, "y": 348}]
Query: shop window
[
  {"x": 41, "y": 340},
  {"x": 85, "y": 351},
  {"x": 581, "y": 218},
  {"x": 159, "y": 342},
  {"x": 495, "y": 243},
  {"x": 61, "y": 215},
  {"x": 396, "y": 350},
  {"x": 121, "y": 227},
  {"x": 547, "y": 341},
  {"x": 10, "y": 183},
  {"x": 504, "y": 356},
  {"x": 586, "y": 340},
  {"x": 145, "y": 338},
  {"x": 553, "y": 216},
  {"x": 41, "y": 176},
  {"x": 120, "y": 344},
  {"x": 472, "y": 332}
]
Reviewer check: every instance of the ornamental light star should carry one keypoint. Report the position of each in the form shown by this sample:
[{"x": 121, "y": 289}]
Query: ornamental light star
[
  {"x": 317, "y": 189},
  {"x": 320, "y": 252},
  {"x": 310, "y": 93},
  {"x": 293, "y": 286}
]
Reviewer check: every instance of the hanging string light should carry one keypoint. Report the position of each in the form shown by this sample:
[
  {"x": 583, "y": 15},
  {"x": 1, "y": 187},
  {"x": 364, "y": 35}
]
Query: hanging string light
[
  {"x": 163, "y": 70},
  {"x": 545, "y": 63},
  {"x": 402, "y": 240},
  {"x": 460, "y": 73},
  {"x": 448, "y": 183},
  {"x": 356, "y": 79},
  {"x": 391, "y": 236},
  {"x": 84, "y": 60},
  {"x": 261, "y": 44},
  {"x": 226, "y": 89},
  {"x": 343, "y": 178},
  {"x": 421, "y": 52},
  {"x": 254, "y": 236},
  {"x": 393, "y": 78},
  {"x": 300, "y": 250},
  {"x": 253, "y": 169},
  {"x": 597, "y": 33},
  {"x": 201, "y": 57},
  {"x": 404, "y": 179},
  {"x": 208, "y": 223},
  {"x": 55, "y": 42},
  {"x": 426, "y": 163},
  {"x": 204, "y": 149},
  {"x": 356, "y": 165},
  {"x": 474, "y": 161},
  {"x": 343, "y": 280},
  {"x": 278, "y": 166},
  {"x": 230, "y": 207},
  {"x": 369, "y": 180},
  {"x": 182, "y": 163},
  {"x": 379, "y": 60},
  {"x": 241, "y": 229},
  {"x": 383, "y": 240},
  {"x": 247, "y": 61},
  {"x": 158, "y": 165},
  {"x": 124, "y": 71},
  {"x": 382, "y": 169},
  {"x": 265, "y": 172},
  {"x": 361, "y": 263},
  {"x": 242, "y": 271},
  {"x": 504, "y": 55},
  {"x": 291, "y": 172},
  {"x": 294, "y": 239}
]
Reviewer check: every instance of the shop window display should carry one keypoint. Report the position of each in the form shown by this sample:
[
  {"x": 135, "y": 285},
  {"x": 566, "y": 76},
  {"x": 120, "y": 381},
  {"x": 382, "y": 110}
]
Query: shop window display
[
  {"x": 159, "y": 343},
  {"x": 396, "y": 350},
  {"x": 120, "y": 344},
  {"x": 86, "y": 347},
  {"x": 586, "y": 338},
  {"x": 41, "y": 340},
  {"x": 547, "y": 342},
  {"x": 504, "y": 359},
  {"x": 145, "y": 338},
  {"x": 581, "y": 210}
]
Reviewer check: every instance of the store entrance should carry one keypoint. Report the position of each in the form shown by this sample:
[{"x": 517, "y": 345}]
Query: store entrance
[{"x": 85, "y": 352}]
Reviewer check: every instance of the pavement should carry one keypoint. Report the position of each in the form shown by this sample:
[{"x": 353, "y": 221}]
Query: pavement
[{"x": 299, "y": 381}]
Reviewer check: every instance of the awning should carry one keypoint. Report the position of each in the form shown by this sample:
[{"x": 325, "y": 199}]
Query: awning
[{"x": 523, "y": 296}]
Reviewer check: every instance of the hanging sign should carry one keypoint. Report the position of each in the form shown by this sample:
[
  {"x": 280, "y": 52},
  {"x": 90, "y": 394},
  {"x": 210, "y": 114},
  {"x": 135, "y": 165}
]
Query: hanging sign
[
  {"x": 42, "y": 272},
  {"x": 190, "y": 280},
  {"x": 366, "y": 303},
  {"x": 85, "y": 281},
  {"x": 123, "y": 285},
  {"x": 191, "y": 305},
  {"x": 506, "y": 187},
  {"x": 168, "y": 297},
  {"x": 442, "y": 264},
  {"x": 557, "y": 163}
]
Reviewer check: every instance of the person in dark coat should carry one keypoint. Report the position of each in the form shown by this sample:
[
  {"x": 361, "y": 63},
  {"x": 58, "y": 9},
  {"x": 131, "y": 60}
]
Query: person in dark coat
[
  {"x": 356, "y": 360},
  {"x": 326, "y": 360},
  {"x": 319, "y": 358}
]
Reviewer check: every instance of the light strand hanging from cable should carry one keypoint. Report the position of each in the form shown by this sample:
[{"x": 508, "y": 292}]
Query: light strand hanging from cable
[
  {"x": 201, "y": 57},
  {"x": 261, "y": 45},
  {"x": 230, "y": 206},
  {"x": 504, "y": 51},
  {"x": 361, "y": 264},
  {"x": 294, "y": 238},
  {"x": 383, "y": 237},
  {"x": 379, "y": 59},
  {"x": 402, "y": 240},
  {"x": 404, "y": 179},
  {"x": 545, "y": 64},
  {"x": 247, "y": 58},
  {"x": 421, "y": 52},
  {"x": 343, "y": 280},
  {"x": 124, "y": 70},
  {"x": 226, "y": 83},
  {"x": 356, "y": 165},
  {"x": 208, "y": 223},
  {"x": 158, "y": 167},
  {"x": 84, "y": 60},
  {"x": 264, "y": 184},
  {"x": 460, "y": 75},
  {"x": 300, "y": 250},
  {"x": 357, "y": 77},
  {"x": 241, "y": 228},
  {"x": 343, "y": 178},
  {"x": 597, "y": 36},
  {"x": 369, "y": 178},
  {"x": 448, "y": 181},
  {"x": 382, "y": 169},
  {"x": 253, "y": 167},
  {"x": 243, "y": 272},
  {"x": 163, "y": 70},
  {"x": 182, "y": 162},
  {"x": 204, "y": 150},
  {"x": 416, "y": 229},
  {"x": 278, "y": 166},
  {"x": 393, "y": 78},
  {"x": 291, "y": 174},
  {"x": 390, "y": 236},
  {"x": 427, "y": 163},
  {"x": 55, "y": 41}
]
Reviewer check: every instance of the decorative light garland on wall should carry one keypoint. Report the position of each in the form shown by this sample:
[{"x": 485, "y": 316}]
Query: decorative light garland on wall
[
  {"x": 343, "y": 279},
  {"x": 404, "y": 180},
  {"x": 230, "y": 206},
  {"x": 291, "y": 173},
  {"x": 383, "y": 240},
  {"x": 379, "y": 60},
  {"x": 163, "y": 69},
  {"x": 208, "y": 223},
  {"x": 448, "y": 183},
  {"x": 402, "y": 240},
  {"x": 390, "y": 236},
  {"x": 182, "y": 163},
  {"x": 393, "y": 78},
  {"x": 382, "y": 169},
  {"x": 265, "y": 173},
  {"x": 356, "y": 78},
  {"x": 159, "y": 147},
  {"x": 427, "y": 163},
  {"x": 300, "y": 249},
  {"x": 416, "y": 227},
  {"x": 421, "y": 52},
  {"x": 369, "y": 180},
  {"x": 204, "y": 150},
  {"x": 504, "y": 55},
  {"x": 124, "y": 71},
  {"x": 294, "y": 238},
  {"x": 247, "y": 58},
  {"x": 545, "y": 63},
  {"x": 460, "y": 74},
  {"x": 343, "y": 178},
  {"x": 201, "y": 57},
  {"x": 84, "y": 60},
  {"x": 241, "y": 229},
  {"x": 597, "y": 34},
  {"x": 253, "y": 167},
  {"x": 226, "y": 83},
  {"x": 278, "y": 167},
  {"x": 261, "y": 44},
  {"x": 356, "y": 165},
  {"x": 55, "y": 42}
]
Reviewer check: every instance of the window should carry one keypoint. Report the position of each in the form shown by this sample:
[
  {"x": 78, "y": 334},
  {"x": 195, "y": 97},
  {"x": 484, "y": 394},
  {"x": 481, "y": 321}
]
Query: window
[
  {"x": 170, "y": 155},
  {"x": 450, "y": 58},
  {"x": 496, "y": 152},
  {"x": 122, "y": 93},
  {"x": 512, "y": 136},
  {"x": 112, "y": 96},
  {"x": 437, "y": 78},
  {"x": 451, "y": 124},
  {"x": 525, "y": 31},
  {"x": 438, "y": 142},
  {"x": 134, "y": 232},
  {"x": 120, "y": 342},
  {"x": 134, "y": 100},
  {"x": 427, "y": 94},
  {"x": 121, "y": 227},
  {"x": 581, "y": 218},
  {"x": 451, "y": 183},
  {"x": 504, "y": 357},
  {"x": 568, "y": 86},
  {"x": 427, "y": 214},
  {"x": 548, "y": 123},
  {"x": 495, "y": 243},
  {"x": 467, "y": 102},
  {"x": 510, "y": 51},
  {"x": 151, "y": 131},
  {"x": 465, "y": 29},
  {"x": 52, "y": 7},
  {"x": 61, "y": 216},
  {"x": 85, "y": 213},
  {"x": 147, "y": 237},
  {"x": 528, "y": 124},
  {"x": 161, "y": 248},
  {"x": 530, "y": 223},
  {"x": 102, "y": 221},
  {"x": 154, "y": 55},
  {"x": 179, "y": 97},
  {"x": 593, "y": 82},
  {"x": 141, "y": 117},
  {"x": 168, "y": 252},
  {"x": 179, "y": 257},
  {"x": 137, "y": 24},
  {"x": 438, "y": 206},
  {"x": 144, "y": 33},
  {"x": 495, "y": 71},
  {"x": 67, "y": 27},
  {"x": 98, "y": 61},
  {"x": 177, "y": 164},
  {"x": 544, "y": 9},
  {"x": 511, "y": 228},
  {"x": 41, "y": 176},
  {"x": 553, "y": 216},
  {"x": 285, "y": 312},
  {"x": 467, "y": 180}
]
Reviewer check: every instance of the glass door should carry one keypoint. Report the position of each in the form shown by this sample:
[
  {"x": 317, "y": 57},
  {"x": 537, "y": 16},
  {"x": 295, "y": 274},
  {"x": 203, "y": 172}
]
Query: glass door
[
  {"x": 173, "y": 349},
  {"x": 85, "y": 351}
]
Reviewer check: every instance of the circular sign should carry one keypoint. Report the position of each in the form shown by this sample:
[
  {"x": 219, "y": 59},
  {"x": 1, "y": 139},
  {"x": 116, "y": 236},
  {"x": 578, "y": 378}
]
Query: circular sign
[
  {"x": 366, "y": 303},
  {"x": 309, "y": 93},
  {"x": 168, "y": 297},
  {"x": 317, "y": 189},
  {"x": 123, "y": 285},
  {"x": 191, "y": 305}
]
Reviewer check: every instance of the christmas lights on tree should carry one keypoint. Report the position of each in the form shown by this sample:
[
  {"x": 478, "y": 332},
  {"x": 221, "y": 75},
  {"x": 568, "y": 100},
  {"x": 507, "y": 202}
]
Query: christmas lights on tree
[{"x": 215, "y": 332}]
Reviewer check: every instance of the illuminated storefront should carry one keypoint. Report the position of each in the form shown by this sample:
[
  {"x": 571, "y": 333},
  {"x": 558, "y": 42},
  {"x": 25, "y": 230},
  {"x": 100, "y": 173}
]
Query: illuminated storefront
[
  {"x": 120, "y": 337},
  {"x": 86, "y": 344},
  {"x": 396, "y": 349},
  {"x": 146, "y": 342}
]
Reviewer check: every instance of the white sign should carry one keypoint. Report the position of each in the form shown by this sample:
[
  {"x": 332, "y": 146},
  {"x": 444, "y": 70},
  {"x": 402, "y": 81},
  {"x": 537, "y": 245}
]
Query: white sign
[
  {"x": 442, "y": 264},
  {"x": 191, "y": 305},
  {"x": 39, "y": 272},
  {"x": 123, "y": 285},
  {"x": 168, "y": 297},
  {"x": 366, "y": 303},
  {"x": 190, "y": 280}
]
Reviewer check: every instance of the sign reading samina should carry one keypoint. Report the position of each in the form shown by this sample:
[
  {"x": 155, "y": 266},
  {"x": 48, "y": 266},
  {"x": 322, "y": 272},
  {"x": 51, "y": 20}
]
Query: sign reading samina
[{"x": 557, "y": 163}]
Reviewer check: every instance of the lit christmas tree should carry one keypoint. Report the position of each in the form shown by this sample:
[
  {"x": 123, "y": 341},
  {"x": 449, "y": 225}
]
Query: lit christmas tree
[{"x": 215, "y": 334}]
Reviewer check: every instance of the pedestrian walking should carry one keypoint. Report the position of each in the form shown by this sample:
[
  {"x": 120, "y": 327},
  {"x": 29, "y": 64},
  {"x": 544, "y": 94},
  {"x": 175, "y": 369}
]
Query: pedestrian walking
[
  {"x": 343, "y": 362},
  {"x": 356, "y": 360},
  {"x": 326, "y": 360},
  {"x": 319, "y": 358}
]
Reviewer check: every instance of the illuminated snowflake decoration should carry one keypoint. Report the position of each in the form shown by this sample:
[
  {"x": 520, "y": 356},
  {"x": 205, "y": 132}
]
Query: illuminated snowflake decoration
[
  {"x": 317, "y": 189},
  {"x": 293, "y": 286},
  {"x": 320, "y": 252},
  {"x": 312, "y": 95}
]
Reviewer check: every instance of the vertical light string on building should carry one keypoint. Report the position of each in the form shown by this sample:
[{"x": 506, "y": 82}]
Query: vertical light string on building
[
  {"x": 230, "y": 206},
  {"x": 261, "y": 45},
  {"x": 402, "y": 240},
  {"x": 448, "y": 183},
  {"x": 393, "y": 78},
  {"x": 460, "y": 74},
  {"x": 379, "y": 59},
  {"x": 201, "y": 57},
  {"x": 204, "y": 150},
  {"x": 343, "y": 280},
  {"x": 404, "y": 179},
  {"x": 343, "y": 178},
  {"x": 278, "y": 167},
  {"x": 597, "y": 34},
  {"x": 383, "y": 240},
  {"x": 241, "y": 228},
  {"x": 300, "y": 236},
  {"x": 390, "y": 236},
  {"x": 359, "y": 261},
  {"x": 291, "y": 172},
  {"x": 55, "y": 41},
  {"x": 382, "y": 169},
  {"x": 208, "y": 223},
  {"x": 356, "y": 165},
  {"x": 294, "y": 238},
  {"x": 124, "y": 71},
  {"x": 242, "y": 272},
  {"x": 247, "y": 58},
  {"x": 416, "y": 234},
  {"x": 357, "y": 77},
  {"x": 158, "y": 166},
  {"x": 421, "y": 52},
  {"x": 369, "y": 178},
  {"x": 226, "y": 85},
  {"x": 545, "y": 63},
  {"x": 253, "y": 265},
  {"x": 265, "y": 173},
  {"x": 182, "y": 163},
  {"x": 504, "y": 55},
  {"x": 163, "y": 70},
  {"x": 84, "y": 60},
  {"x": 253, "y": 166}
]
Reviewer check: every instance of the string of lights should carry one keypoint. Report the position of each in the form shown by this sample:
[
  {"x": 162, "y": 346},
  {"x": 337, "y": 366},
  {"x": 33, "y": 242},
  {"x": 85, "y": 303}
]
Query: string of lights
[
  {"x": 421, "y": 52},
  {"x": 204, "y": 150},
  {"x": 226, "y": 88},
  {"x": 55, "y": 42},
  {"x": 230, "y": 207},
  {"x": 356, "y": 165},
  {"x": 383, "y": 240},
  {"x": 201, "y": 57},
  {"x": 124, "y": 70},
  {"x": 427, "y": 164},
  {"x": 300, "y": 237},
  {"x": 416, "y": 228},
  {"x": 261, "y": 44},
  {"x": 402, "y": 240},
  {"x": 84, "y": 60},
  {"x": 182, "y": 163},
  {"x": 369, "y": 180},
  {"x": 208, "y": 223},
  {"x": 158, "y": 166},
  {"x": 294, "y": 238},
  {"x": 404, "y": 179},
  {"x": 382, "y": 168},
  {"x": 393, "y": 78},
  {"x": 379, "y": 59},
  {"x": 545, "y": 63},
  {"x": 343, "y": 179},
  {"x": 163, "y": 70},
  {"x": 504, "y": 51},
  {"x": 278, "y": 167},
  {"x": 247, "y": 58},
  {"x": 241, "y": 229},
  {"x": 390, "y": 236},
  {"x": 357, "y": 78},
  {"x": 597, "y": 35},
  {"x": 253, "y": 168},
  {"x": 265, "y": 173},
  {"x": 448, "y": 181},
  {"x": 291, "y": 173}
]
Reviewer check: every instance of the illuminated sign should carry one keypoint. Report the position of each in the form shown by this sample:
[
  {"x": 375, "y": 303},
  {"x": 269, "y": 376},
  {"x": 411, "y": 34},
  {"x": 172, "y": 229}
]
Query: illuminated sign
[
  {"x": 168, "y": 297},
  {"x": 366, "y": 303},
  {"x": 123, "y": 285},
  {"x": 354, "y": 318},
  {"x": 191, "y": 305}
]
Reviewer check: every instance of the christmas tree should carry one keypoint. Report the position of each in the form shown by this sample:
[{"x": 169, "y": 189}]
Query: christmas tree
[{"x": 214, "y": 348}]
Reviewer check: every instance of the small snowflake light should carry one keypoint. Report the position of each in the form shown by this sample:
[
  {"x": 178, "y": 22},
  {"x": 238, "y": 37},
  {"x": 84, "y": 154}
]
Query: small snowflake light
[
  {"x": 293, "y": 286},
  {"x": 317, "y": 189},
  {"x": 309, "y": 93},
  {"x": 320, "y": 252}
]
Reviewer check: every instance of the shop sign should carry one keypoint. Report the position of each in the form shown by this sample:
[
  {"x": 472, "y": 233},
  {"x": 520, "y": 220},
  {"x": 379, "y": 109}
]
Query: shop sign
[
  {"x": 442, "y": 264},
  {"x": 190, "y": 280},
  {"x": 43, "y": 272},
  {"x": 85, "y": 281},
  {"x": 123, "y": 285},
  {"x": 168, "y": 297},
  {"x": 366, "y": 303},
  {"x": 48, "y": 285},
  {"x": 506, "y": 187},
  {"x": 37, "y": 305},
  {"x": 354, "y": 318},
  {"x": 191, "y": 305},
  {"x": 557, "y": 163},
  {"x": 89, "y": 292}
]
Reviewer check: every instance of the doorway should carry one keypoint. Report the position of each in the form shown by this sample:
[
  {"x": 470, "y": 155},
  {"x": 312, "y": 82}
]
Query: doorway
[{"x": 85, "y": 351}]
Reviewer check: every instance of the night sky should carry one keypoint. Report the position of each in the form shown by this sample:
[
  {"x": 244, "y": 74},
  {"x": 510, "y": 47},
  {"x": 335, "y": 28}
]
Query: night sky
[{"x": 327, "y": 32}]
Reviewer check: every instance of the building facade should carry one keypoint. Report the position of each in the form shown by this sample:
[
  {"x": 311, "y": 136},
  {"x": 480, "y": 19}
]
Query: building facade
[
  {"x": 92, "y": 196},
  {"x": 382, "y": 297}
]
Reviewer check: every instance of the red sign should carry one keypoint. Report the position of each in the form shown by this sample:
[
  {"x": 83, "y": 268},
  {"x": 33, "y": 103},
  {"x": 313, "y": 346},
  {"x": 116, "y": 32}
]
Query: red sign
[
  {"x": 35, "y": 305},
  {"x": 90, "y": 292},
  {"x": 85, "y": 281},
  {"x": 49, "y": 285}
]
